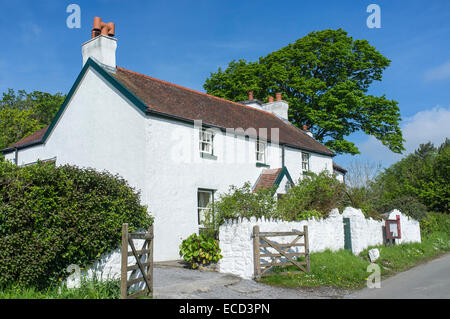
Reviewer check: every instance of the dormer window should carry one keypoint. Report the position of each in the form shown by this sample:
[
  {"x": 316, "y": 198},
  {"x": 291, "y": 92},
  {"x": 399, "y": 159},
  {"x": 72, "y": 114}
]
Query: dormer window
[
  {"x": 261, "y": 152},
  {"x": 206, "y": 142}
]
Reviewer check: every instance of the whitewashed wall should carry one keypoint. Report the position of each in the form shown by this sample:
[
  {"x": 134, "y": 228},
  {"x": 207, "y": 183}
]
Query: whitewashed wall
[
  {"x": 101, "y": 129},
  {"x": 236, "y": 240}
]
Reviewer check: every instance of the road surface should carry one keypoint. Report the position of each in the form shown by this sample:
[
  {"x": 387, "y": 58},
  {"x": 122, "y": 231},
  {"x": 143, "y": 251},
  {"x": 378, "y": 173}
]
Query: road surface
[{"x": 430, "y": 280}]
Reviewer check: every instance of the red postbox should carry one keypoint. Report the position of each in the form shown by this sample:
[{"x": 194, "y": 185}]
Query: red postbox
[{"x": 393, "y": 230}]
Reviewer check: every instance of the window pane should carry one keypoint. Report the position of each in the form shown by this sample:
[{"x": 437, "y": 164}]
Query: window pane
[{"x": 203, "y": 199}]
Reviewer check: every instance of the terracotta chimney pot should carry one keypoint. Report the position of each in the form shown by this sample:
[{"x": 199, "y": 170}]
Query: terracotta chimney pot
[
  {"x": 270, "y": 99},
  {"x": 250, "y": 95},
  {"x": 278, "y": 96}
]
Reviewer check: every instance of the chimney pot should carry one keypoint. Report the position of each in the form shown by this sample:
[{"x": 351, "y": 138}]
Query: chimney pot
[
  {"x": 278, "y": 96},
  {"x": 270, "y": 99},
  {"x": 250, "y": 95},
  {"x": 100, "y": 27},
  {"x": 305, "y": 127}
]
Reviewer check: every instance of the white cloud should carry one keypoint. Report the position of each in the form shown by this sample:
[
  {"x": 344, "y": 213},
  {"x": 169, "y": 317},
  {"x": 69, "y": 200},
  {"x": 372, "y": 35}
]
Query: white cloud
[
  {"x": 441, "y": 72},
  {"x": 425, "y": 126}
]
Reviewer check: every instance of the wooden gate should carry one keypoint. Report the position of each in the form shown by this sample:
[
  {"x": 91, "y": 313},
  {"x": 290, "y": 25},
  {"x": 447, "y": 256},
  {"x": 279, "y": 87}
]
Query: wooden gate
[
  {"x": 260, "y": 241},
  {"x": 144, "y": 267}
]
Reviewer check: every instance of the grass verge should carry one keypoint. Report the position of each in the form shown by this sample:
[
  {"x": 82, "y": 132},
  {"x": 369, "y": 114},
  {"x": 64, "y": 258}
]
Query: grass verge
[
  {"x": 344, "y": 270},
  {"x": 92, "y": 289}
]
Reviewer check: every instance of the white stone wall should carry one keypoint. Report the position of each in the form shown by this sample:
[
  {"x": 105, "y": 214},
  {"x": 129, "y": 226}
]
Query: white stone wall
[{"x": 236, "y": 240}]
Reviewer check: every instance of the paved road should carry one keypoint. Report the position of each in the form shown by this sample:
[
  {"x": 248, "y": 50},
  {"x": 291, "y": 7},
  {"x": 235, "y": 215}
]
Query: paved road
[{"x": 430, "y": 280}]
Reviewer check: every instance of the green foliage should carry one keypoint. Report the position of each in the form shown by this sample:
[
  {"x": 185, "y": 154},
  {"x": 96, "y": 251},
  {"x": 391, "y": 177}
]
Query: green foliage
[
  {"x": 423, "y": 175},
  {"x": 24, "y": 113},
  {"x": 89, "y": 289},
  {"x": 434, "y": 223},
  {"x": 325, "y": 77},
  {"x": 314, "y": 196},
  {"x": 240, "y": 203},
  {"x": 406, "y": 204},
  {"x": 51, "y": 217},
  {"x": 200, "y": 250},
  {"x": 16, "y": 124}
]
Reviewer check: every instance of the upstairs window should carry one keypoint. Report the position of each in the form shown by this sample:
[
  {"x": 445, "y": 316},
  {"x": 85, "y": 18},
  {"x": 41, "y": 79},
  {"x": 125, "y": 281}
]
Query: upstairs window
[
  {"x": 206, "y": 142},
  {"x": 260, "y": 152},
  {"x": 305, "y": 162}
]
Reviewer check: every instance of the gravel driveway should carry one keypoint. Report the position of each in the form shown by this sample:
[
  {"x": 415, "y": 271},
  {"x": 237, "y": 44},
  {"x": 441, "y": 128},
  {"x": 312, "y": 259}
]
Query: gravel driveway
[{"x": 176, "y": 282}]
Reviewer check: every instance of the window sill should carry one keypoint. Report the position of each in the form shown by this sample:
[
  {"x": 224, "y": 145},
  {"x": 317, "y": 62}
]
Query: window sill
[
  {"x": 261, "y": 165},
  {"x": 208, "y": 156}
]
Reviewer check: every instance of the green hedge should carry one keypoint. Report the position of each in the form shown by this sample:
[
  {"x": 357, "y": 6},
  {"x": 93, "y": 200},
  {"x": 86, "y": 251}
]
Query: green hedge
[{"x": 51, "y": 217}]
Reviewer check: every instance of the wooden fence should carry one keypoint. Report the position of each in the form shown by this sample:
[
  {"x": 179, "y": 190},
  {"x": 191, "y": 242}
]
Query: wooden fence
[
  {"x": 145, "y": 268},
  {"x": 261, "y": 241}
]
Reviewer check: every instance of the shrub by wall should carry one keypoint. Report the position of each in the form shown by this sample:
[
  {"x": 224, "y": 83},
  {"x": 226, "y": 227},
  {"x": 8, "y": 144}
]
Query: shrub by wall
[
  {"x": 435, "y": 223},
  {"x": 51, "y": 217}
]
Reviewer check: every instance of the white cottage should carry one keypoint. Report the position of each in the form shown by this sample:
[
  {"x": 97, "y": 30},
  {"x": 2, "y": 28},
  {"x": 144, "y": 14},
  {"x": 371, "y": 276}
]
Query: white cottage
[{"x": 179, "y": 147}]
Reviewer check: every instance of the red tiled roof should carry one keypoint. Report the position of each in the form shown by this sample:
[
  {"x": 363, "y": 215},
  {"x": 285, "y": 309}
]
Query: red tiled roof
[
  {"x": 35, "y": 137},
  {"x": 172, "y": 99},
  {"x": 267, "y": 178}
]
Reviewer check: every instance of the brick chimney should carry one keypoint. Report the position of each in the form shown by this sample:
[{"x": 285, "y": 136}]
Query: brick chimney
[{"x": 102, "y": 46}]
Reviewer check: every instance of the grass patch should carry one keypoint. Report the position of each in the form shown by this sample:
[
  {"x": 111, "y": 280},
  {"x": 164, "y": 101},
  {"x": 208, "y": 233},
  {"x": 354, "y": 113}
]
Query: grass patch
[
  {"x": 344, "y": 270},
  {"x": 339, "y": 269},
  {"x": 402, "y": 257},
  {"x": 89, "y": 289}
]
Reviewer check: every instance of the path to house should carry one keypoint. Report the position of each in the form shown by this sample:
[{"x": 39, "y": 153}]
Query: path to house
[
  {"x": 430, "y": 280},
  {"x": 173, "y": 281}
]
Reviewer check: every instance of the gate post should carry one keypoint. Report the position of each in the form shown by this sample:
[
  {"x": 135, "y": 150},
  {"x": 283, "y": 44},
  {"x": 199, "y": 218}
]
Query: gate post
[
  {"x": 150, "y": 258},
  {"x": 305, "y": 236},
  {"x": 124, "y": 263},
  {"x": 256, "y": 259}
]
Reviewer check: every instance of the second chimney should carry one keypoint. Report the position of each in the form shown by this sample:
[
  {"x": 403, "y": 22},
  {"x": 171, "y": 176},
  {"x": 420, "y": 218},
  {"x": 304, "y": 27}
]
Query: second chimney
[{"x": 278, "y": 107}]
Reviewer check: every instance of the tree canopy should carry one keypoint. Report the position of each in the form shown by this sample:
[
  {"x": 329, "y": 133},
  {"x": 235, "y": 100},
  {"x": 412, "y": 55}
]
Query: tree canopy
[
  {"x": 325, "y": 77},
  {"x": 22, "y": 113}
]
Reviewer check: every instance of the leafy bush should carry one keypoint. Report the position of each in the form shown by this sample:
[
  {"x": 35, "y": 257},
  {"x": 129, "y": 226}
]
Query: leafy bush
[
  {"x": 200, "y": 250},
  {"x": 319, "y": 193},
  {"x": 423, "y": 175},
  {"x": 239, "y": 203},
  {"x": 434, "y": 223},
  {"x": 51, "y": 217},
  {"x": 408, "y": 205}
]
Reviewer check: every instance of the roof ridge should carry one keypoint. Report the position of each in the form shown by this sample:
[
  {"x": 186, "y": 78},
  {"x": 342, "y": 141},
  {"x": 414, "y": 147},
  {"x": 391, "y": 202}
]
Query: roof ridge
[{"x": 195, "y": 91}]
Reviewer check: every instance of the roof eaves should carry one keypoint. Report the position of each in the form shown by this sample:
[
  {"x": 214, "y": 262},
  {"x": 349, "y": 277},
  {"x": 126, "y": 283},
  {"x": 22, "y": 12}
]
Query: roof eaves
[{"x": 11, "y": 149}]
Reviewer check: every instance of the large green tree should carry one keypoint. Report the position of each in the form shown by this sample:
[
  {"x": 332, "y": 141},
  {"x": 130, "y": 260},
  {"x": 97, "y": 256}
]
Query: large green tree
[
  {"x": 325, "y": 77},
  {"x": 22, "y": 113}
]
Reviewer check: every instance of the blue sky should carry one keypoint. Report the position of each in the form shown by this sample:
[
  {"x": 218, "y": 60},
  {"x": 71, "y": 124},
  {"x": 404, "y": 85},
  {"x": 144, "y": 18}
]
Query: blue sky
[{"x": 183, "y": 41}]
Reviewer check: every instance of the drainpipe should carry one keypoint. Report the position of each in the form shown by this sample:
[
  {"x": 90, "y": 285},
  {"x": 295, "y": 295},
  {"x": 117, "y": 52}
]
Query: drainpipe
[
  {"x": 16, "y": 156},
  {"x": 282, "y": 155}
]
